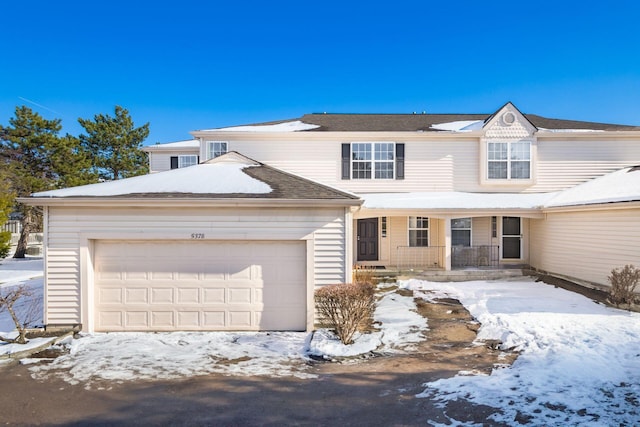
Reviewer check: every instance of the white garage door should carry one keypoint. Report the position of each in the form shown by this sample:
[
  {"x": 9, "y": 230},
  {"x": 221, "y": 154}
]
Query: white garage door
[{"x": 187, "y": 285}]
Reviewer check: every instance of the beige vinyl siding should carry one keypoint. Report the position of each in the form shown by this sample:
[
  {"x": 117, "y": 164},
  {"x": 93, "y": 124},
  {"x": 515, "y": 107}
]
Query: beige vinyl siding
[
  {"x": 326, "y": 226},
  {"x": 564, "y": 164},
  {"x": 448, "y": 164},
  {"x": 429, "y": 165},
  {"x": 481, "y": 231},
  {"x": 586, "y": 245}
]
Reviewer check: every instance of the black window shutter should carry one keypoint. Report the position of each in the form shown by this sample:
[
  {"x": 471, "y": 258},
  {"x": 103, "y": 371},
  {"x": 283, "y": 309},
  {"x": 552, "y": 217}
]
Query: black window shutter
[
  {"x": 346, "y": 161},
  {"x": 174, "y": 162},
  {"x": 198, "y": 160},
  {"x": 399, "y": 161}
]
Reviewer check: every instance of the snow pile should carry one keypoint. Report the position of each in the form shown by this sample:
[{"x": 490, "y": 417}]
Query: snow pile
[
  {"x": 579, "y": 361},
  {"x": 399, "y": 326},
  {"x": 459, "y": 126},
  {"x": 124, "y": 356},
  {"x": 294, "y": 126}
]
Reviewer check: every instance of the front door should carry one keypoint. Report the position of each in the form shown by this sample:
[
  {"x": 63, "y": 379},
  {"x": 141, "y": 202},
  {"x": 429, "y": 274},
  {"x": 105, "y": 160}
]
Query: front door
[
  {"x": 511, "y": 237},
  {"x": 368, "y": 239}
]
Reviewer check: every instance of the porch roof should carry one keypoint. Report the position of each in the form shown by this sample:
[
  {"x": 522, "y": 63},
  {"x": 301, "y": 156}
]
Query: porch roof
[{"x": 455, "y": 201}]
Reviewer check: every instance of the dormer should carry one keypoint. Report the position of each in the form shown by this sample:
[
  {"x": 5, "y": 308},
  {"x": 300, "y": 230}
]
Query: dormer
[{"x": 508, "y": 150}]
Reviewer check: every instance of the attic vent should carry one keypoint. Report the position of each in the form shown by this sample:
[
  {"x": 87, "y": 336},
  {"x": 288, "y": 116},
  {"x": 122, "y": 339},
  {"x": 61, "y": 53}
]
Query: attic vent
[{"x": 509, "y": 118}]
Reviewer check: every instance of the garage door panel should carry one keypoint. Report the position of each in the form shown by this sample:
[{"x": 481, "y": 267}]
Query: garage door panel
[
  {"x": 162, "y": 319},
  {"x": 213, "y": 296},
  {"x": 188, "y": 295},
  {"x": 162, "y": 295},
  {"x": 188, "y": 319},
  {"x": 136, "y": 319},
  {"x": 136, "y": 296},
  {"x": 200, "y": 285},
  {"x": 214, "y": 319}
]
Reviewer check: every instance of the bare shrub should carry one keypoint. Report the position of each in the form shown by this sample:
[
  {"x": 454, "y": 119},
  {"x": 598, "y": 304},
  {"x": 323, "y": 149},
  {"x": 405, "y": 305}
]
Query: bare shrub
[
  {"x": 363, "y": 274},
  {"x": 623, "y": 284},
  {"x": 28, "y": 314},
  {"x": 347, "y": 307}
]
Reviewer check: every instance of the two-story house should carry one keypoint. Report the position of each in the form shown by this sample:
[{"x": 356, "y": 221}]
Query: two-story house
[{"x": 422, "y": 191}]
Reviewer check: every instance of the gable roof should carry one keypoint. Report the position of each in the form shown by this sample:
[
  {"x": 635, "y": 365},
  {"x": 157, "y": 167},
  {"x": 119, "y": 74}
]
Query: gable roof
[{"x": 230, "y": 176}]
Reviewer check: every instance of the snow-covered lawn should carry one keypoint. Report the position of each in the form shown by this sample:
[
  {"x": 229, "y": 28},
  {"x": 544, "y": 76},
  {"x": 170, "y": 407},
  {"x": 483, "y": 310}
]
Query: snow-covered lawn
[
  {"x": 13, "y": 273},
  {"x": 579, "y": 362}
]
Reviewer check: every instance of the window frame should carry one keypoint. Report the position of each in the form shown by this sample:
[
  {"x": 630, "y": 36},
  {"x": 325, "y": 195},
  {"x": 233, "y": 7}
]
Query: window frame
[
  {"x": 372, "y": 161},
  {"x": 418, "y": 220},
  {"x": 210, "y": 151},
  {"x": 508, "y": 160},
  {"x": 469, "y": 229},
  {"x": 182, "y": 157}
]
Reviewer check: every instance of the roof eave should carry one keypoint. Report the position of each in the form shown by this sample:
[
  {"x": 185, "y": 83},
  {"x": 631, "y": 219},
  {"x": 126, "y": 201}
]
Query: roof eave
[{"x": 185, "y": 202}]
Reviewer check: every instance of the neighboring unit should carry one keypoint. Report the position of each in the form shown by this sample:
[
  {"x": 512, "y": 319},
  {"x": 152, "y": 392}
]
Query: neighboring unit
[{"x": 419, "y": 191}]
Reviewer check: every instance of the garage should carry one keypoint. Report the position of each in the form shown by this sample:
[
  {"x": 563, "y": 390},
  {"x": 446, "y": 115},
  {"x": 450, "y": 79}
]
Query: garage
[
  {"x": 230, "y": 244},
  {"x": 200, "y": 285}
]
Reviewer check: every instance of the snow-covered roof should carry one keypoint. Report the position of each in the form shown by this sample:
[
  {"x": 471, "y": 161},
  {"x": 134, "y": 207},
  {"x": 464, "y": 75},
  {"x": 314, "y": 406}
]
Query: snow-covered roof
[
  {"x": 459, "y": 126},
  {"x": 292, "y": 126},
  {"x": 455, "y": 200},
  {"x": 189, "y": 143},
  {"x": 230, "y": 176},
  {"x": 213, "y": 177},
  {"x": 619, "y": 186}
]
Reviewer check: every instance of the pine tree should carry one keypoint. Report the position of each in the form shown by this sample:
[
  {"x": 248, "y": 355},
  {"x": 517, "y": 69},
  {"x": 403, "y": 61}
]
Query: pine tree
[
  {"x": 6, "y": 206},
  {"x": 115, "y": 144},
  {"x": 36, "y": 159}
]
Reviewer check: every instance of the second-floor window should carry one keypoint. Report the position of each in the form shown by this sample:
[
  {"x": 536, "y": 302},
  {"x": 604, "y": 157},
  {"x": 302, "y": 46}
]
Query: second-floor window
[
  {"x": 372, "y": 160},
  {"x": 418, "y": 231},
  {"x": 187, "y": 160},
  {"x": 509, "y": 160},
  {"x": 216, "y": 148}
]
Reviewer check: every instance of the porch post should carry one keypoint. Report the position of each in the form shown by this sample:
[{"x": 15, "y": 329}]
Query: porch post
[{"x": 447, "y": 244}]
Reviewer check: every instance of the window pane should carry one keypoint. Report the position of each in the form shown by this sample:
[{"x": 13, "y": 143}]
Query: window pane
[
  {"x": 184, "y": 161},
  {"x": 384, "y": 151},
  {"x": 361, "y": 151},
  {"x": 498, "y": 150},
  {"x": 384, "y": 170},
  {"x": 458, "y": 223},
  {"x": 497, "y": 170},
  {"x": 217, "y": 148},
  {"x": 419, "y": 238},
  {"x": 361, "y": 170},
  {"x": 520, "y": 170},
  {"x": 461, "y": 237},
  {"x": 520, "y": 150}
]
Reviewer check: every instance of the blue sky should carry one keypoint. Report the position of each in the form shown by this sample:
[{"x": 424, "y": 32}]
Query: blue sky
[{"x": 195, "y": 65}]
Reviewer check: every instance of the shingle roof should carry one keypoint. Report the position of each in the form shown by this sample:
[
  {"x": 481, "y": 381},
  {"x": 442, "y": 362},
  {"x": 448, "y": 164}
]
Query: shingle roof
[
  {"x": 230, "y": 176},
  {"x": 424, "y": 122}
]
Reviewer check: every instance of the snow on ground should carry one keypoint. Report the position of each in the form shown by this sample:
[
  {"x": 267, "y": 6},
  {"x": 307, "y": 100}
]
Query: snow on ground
[
  {"x": 579, "y": 361},
  {"x": 14, "y": 272},
  {"x": 130, "y": 356}
]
